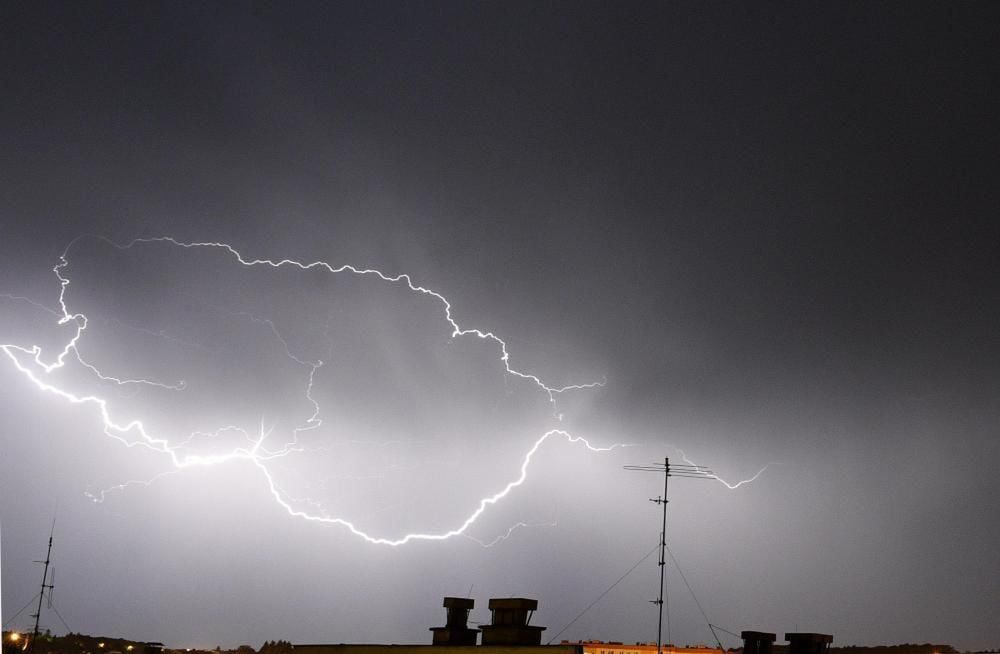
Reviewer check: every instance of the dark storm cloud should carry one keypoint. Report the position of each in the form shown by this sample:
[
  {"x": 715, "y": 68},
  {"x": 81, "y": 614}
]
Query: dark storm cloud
[{"x": 772, "y": 227}]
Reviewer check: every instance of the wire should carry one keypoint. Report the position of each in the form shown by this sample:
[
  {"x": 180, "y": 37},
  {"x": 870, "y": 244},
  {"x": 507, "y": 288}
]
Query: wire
[
  {"x": 30, "y": 602},
  {"x": 601, "y": 596},
  {"x": 691, "y": 590},
  {"x": 731, "y": 633},
  {"x": 56, "y": 611}
]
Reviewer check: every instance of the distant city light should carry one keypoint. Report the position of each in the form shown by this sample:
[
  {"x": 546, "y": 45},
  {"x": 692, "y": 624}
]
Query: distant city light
[{"x": 14, "y": 636}]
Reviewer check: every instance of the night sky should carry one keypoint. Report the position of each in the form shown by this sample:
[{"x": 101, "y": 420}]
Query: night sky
[{"x": 770, "y": 228}]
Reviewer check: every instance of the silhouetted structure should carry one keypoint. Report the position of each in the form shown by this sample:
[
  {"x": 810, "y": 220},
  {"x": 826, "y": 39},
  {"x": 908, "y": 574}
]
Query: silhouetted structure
[
  {"x": 509, "y": 625},
  {"x": 456, "y": 630},
  {"x": 46, "y": 588},
  {"x": 508, "y": 633},
  {"x": 757, "y": 642}
]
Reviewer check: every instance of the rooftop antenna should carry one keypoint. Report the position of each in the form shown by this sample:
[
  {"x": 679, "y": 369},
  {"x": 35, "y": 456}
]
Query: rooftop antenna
[
  {"x": 45, "y": 586},
  {"x": 687, "y": 471},
  {"x": 52, "y": 585}
]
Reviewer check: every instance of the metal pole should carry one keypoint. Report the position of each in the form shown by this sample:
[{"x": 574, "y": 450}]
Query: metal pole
[
  {"x": 663, "y": 563},
  {"x": 666, "y": 600},
  {"x": 38, "y": 613},
  {"x": 41, "y": 596},
  {"x": 690, "y": 471}
]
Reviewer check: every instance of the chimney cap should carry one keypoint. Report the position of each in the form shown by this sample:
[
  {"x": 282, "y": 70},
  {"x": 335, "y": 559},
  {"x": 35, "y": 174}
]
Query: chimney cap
[
  {"x": 513, "y": 603},
  {"x": 459, "y": 603},
  {"x": 758, "y": 635}
]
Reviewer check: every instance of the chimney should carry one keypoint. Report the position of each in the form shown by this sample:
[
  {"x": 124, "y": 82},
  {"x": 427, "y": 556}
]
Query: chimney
[
  {"x": 757, "y": 642},
  {"x": 510, "y": 622},
  {"x": 807, "y": 643},
  {"x": 456, "y": 630}
]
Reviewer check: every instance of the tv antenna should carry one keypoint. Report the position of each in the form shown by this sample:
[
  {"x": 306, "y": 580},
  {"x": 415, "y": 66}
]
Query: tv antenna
[
  {"x": 45, "y": 586},
  {"x": 687, "y": 471}
]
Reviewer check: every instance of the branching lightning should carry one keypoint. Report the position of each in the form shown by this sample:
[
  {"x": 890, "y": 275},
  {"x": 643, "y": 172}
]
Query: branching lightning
[
  {"x": 457, "y": 330},
  {"x": 134, "y": 433},
  {"x": 510, "y": 530},
  {"x": 256, "y": 448},
  {"x": 484, "y": 503},
  {"x": 102, "y": 495}
]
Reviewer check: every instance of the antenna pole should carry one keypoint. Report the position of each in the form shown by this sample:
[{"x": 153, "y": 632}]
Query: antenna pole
[
  {"x": 663, "y": 563},
  {"x": 45, "y": 575},
  {"x": 688, "y": 471}
]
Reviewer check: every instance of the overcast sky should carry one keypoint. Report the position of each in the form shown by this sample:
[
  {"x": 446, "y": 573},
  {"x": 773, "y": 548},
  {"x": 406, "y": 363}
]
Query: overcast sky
[{"x": 770, "y": 228}]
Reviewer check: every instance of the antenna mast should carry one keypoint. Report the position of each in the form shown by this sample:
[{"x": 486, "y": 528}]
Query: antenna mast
[
  {"x": 45, "y": 586},
  {"x": 685, "y": 470}
]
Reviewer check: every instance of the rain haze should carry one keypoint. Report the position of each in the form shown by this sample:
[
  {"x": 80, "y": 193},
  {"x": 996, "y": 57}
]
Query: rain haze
[{"x": 578, "y": 236}]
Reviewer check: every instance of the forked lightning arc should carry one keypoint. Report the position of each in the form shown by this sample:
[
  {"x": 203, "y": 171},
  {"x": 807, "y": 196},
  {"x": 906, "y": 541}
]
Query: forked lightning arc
[{"x": 133, "y": 433}]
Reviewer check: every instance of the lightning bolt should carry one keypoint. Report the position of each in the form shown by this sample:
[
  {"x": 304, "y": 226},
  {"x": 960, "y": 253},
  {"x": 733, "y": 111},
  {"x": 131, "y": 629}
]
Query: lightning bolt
[
  {"x": 133, "y": 433},
  {"x": 510, "y": 530},
  {"x": 102, "y": 495},
  {"x": 727, "y": 484},
  {"x": 64, "y": 318},
  {"x": 484, "y": 503},
  {"x": 457, "y": 330}
]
